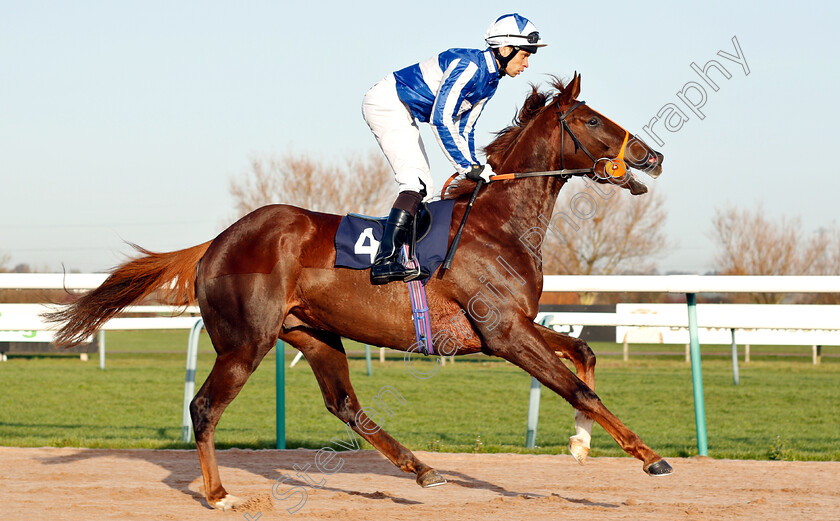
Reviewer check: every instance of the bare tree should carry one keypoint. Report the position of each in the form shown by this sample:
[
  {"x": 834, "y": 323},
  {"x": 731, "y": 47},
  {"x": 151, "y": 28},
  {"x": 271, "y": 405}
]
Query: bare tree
[
  {"x": 750, "y": 243},
  {"x": 364, "y": 185},
  {"x": 828, "y": 263},
  {"x": 22, "y": 267},
  {"x": 604, "y": 230}
]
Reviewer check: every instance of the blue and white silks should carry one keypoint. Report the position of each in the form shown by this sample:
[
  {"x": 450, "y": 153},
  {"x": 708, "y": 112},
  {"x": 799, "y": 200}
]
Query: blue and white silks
[{"x": 449, "y": 91}]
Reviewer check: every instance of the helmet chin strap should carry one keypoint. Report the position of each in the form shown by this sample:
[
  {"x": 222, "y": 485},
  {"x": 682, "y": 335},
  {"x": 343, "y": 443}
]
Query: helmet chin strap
[{"x": 504, "y": 60}]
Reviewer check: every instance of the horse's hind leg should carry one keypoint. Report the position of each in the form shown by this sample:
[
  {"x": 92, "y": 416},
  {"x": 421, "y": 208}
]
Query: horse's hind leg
[
  {"x": 528, "y": 350},
  {"x": 325, "y": 354},
  {"x": 230, "y": 372},
  {"x": 583, "y": 358}
]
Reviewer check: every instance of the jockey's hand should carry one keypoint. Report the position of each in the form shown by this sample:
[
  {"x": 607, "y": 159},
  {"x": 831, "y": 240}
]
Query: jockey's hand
[{"x": 480, "y": 172}]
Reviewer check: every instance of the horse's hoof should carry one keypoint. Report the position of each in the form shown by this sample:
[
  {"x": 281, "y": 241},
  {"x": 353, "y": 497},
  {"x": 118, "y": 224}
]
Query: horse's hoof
[
  {"x": 430, "y": 478},
  {"x": 579, "y": 450},
  {"x": 659, "y": 468},
  {"x": 227, "y": 503}
]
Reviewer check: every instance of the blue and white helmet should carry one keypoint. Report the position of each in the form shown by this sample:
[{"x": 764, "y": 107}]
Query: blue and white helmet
[{"x": 513, "y": 30}]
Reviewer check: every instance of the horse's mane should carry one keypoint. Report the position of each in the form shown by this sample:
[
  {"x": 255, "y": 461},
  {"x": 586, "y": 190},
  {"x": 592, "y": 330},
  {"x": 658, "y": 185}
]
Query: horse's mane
[{"x": 534, "y": 105}]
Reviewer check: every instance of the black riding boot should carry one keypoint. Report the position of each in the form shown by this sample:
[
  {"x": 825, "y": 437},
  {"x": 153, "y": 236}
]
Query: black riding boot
[{"x": 387, "y": 266}]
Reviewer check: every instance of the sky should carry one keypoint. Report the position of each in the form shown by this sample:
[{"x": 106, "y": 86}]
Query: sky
[{"x": 126, "y": 121}]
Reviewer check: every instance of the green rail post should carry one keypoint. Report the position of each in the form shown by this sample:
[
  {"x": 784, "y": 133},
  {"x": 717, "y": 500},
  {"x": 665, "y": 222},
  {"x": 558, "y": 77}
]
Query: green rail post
[
  {"x": 280, "y": 393},
  {"x": 102, "y": 349},
  {"x": 697, "y": 376},
  {"x": 533, "y": 414},
  {"x": 367, "y": 360},
  {"x": 189, "y": 379},
  {"x": 735, "y": 376}
]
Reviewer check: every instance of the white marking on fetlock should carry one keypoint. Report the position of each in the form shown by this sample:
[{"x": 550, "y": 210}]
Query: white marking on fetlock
[
  {"x": 579, "y": 443},
  {"x": 226, "y": 503}
]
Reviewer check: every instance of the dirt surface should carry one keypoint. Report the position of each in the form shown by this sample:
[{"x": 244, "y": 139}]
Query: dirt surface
[{"x": 87, "y": 484}]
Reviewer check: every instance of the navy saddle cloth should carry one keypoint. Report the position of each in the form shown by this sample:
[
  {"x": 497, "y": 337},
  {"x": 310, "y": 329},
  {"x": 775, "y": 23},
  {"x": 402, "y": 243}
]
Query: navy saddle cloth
[{"x": 358, "y": 236}]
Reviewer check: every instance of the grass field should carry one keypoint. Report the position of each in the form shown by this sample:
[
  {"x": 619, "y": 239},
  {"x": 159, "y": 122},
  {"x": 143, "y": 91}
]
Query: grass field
[{"x": 785, "y": 407}]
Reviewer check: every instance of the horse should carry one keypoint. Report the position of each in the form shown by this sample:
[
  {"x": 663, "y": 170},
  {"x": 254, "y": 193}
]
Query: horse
[{"x": 270, "y": 276}]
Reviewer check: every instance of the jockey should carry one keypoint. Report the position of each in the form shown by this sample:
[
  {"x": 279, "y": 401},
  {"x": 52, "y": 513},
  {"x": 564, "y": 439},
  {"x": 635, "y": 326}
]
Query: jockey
[{"x": 448, "y": 91}]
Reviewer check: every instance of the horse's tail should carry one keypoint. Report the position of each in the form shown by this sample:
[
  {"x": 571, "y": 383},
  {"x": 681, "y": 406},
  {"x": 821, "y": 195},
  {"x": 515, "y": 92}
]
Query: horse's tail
[{"x": 173, "y": 272}]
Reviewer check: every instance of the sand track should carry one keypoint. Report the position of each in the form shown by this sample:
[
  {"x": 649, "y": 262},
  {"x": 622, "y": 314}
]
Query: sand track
[{"x": 85, "y": 484}]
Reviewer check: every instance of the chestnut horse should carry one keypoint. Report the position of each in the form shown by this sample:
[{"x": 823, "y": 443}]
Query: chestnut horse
[{"x": 270, "y": 276}]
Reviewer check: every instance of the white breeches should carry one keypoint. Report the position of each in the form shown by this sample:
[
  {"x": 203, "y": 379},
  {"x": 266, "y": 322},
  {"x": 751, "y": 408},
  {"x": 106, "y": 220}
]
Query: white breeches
[{"x": 398, "y": 136}]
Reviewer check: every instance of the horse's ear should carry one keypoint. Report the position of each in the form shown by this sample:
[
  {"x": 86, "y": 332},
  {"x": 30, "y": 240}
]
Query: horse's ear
[
  {"x": 572, "y": 90},
  {"x": 574, "y": 86}
]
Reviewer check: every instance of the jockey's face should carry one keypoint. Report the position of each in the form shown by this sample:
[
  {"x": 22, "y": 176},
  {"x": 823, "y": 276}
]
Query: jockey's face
[{"x": 519, "y": 62}]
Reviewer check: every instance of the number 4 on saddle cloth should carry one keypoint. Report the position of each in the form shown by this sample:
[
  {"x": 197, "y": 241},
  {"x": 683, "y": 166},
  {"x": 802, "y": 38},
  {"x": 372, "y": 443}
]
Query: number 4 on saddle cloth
[{"x": 357, "y": 241}]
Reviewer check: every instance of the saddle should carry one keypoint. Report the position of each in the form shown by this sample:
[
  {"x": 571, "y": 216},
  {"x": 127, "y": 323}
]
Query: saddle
[
  {"x": 357, "y": 238},
  {"x": 357, "y": 241},
  {"x": 422, "y": 221}
]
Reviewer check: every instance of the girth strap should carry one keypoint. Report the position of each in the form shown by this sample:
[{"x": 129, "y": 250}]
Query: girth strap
[{"x": 419, "y": 308}]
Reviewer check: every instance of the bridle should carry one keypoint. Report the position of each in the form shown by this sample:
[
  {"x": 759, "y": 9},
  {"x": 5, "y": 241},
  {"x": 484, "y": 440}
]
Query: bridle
[
  {"x": 561, "y": 118},
  {"x": 615, "y": 167}
]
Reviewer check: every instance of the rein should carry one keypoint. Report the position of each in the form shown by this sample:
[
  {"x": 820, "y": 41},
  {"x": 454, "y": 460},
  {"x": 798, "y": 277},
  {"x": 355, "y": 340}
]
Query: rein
[{"x": 564, "y": 173}]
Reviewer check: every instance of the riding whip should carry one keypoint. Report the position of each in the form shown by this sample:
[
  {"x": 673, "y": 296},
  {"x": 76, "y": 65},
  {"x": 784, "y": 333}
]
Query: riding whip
[{"x": 451, "y": 254}]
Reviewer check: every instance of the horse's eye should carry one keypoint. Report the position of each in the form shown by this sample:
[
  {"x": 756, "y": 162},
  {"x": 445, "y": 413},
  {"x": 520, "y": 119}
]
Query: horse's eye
[{"x": 593, "y": 122}]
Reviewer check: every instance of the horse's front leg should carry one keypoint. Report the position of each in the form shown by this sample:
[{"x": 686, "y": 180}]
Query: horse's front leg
[
  {"x": 326, "y": 357},
  {"x": 521, "y": 343},
  {"x": 581, "y": 355}
]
